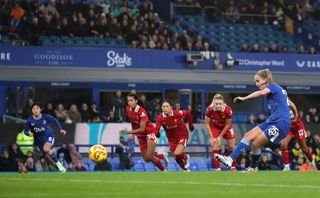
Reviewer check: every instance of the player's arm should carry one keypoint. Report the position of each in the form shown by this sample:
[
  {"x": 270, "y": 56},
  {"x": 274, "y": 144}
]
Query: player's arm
[
  {"x": 187, "y": 114},
  {"x": 294, "y": 110},
  {"x": 208, "y": 129},
  {"x": 51, "y": 119},
  {"x": 226, "y": 127},
  {"x": 27, "y": 129},
  {"x": 255, "y": 94},
  {"x": 142, "y": 129},
  {"x": 158, "y": 126}
]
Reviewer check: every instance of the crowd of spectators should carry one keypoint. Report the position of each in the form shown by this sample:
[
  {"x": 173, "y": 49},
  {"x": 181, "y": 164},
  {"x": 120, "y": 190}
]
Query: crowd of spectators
[{"x": 136, "y": 22}]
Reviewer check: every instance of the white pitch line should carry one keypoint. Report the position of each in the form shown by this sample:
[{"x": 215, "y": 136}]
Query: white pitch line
[{"x": 165, "y": 182}]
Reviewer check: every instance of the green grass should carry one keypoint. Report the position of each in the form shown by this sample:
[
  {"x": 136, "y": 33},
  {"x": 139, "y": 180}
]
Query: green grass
[{"x": 164, "y": 185}]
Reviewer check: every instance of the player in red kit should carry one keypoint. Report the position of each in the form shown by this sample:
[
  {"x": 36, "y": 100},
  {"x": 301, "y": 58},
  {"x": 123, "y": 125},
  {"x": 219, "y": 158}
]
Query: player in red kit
[
  {"x": 176, "y": 131},
  {"x": 297, "y": 130},
  {"x": 143, "y": 129},
  {"x": 218, "y": 121}
]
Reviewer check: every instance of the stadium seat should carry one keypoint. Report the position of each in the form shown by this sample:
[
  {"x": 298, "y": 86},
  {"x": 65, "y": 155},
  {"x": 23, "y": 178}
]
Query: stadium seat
[
  {"x": 150, "y": 167},
  {"x": 172, "y": 166},
  {"x": 138, "y": 167},
  {"x": 115, "y": 163}
]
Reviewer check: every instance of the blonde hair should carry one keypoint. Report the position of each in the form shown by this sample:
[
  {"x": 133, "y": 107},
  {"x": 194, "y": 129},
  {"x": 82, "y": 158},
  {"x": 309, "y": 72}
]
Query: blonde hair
[
  {"x": 265, "y": 74},
  {"x": 217, "y": 97}
]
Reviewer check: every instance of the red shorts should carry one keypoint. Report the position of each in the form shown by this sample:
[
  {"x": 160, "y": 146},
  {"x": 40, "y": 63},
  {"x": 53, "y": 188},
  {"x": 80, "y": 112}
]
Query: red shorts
[
  {"x": 143, "y": 141},
  {"x": 298, "y": 132},
  {"x": 174, "y": 143},
  {"x": 228, "y": 135}
]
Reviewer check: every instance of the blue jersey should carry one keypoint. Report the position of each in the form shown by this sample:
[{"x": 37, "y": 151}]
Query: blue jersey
[
  {"x": 40, "y": 126},
  {"x": 278, "y": 104}
]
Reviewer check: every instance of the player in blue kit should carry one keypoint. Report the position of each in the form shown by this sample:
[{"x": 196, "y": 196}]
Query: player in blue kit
[
  {"x": 38, "y": 125},
  {"x": 274, "y": 129}
]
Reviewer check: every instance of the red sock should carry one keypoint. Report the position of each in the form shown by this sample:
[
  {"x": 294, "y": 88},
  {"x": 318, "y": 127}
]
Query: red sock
[
  {"x": 285, "y": 156},
  {"x": 180, "y": 159},
  {"x": 215, "y": 162},
  {"x": 159, "y": 156},
  {"x": 159, "y": 165},
  {"x": 309, "y": 155}
]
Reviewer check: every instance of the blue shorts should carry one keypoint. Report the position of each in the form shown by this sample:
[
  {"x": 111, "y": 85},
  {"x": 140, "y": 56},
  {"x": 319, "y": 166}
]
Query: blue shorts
[
  {"x": 40, "y": 140},
  {"x": 275, "y": 131}
]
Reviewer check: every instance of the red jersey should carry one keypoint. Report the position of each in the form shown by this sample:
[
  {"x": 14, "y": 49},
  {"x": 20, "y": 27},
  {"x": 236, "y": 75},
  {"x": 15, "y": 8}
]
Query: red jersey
[
  {"x": 174, "y": 125},
  {"x": 297, "y": 125},
  {"x": 137, "y": 116},
  {"x": 218, "y": 118}
]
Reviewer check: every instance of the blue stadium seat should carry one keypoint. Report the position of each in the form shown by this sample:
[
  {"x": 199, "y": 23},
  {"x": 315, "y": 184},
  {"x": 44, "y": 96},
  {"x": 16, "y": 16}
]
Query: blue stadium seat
[
  {"x": 115, "y": 163},
  {"x": 172, "y": 166},
  {"x": 138, "y": 167},
  {"x": 150, "y": 167}
]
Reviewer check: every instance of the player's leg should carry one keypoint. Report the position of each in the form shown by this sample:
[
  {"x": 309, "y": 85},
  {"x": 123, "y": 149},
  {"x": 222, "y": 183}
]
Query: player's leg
[
  {"x": 215, "y": 149},
  {"x": 244, "y": 144},
  {"x": 51, "y": 157},
  {"x": 257, "y": 143},
  {"x": 151, "y": 145},
  {"x": 182, "y": 158},
  {"x": 231, "y": 145},
  {"x": 308, "y": 152},
  {"x": 284, "y": 151}
]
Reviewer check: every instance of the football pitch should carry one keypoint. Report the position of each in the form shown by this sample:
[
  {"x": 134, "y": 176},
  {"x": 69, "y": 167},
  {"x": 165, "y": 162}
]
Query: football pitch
[{"x": 157, "y": 184}]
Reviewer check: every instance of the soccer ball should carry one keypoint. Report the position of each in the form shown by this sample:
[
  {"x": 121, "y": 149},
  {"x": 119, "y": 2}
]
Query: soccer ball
[{"x": 98, "y": 153}]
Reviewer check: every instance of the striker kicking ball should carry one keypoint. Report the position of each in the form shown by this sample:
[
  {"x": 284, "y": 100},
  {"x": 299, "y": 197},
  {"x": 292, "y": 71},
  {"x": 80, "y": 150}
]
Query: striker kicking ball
[{"x": 98, "y": 153}]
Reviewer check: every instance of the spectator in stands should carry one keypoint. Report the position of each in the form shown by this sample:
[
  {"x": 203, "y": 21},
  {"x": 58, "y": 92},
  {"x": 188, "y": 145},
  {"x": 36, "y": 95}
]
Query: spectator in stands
[
  {"x": 62, "y": 160},
  {"x": 176, "y": 28},
  {"x": 16, "y": 15},
  {"x": 111, "y": 117},
  {"x": 312, "y": 50},
  {"x": 74, "y": 154},
  {"x": 7, "y": 164},
  {"x": 103, "y": 166},
  {"x": 296, "y": 151},
  {"x": 15, "y": 153},
  {"x": 264, "y": 163},
  {"x": 30, "y": 164},
  {"x": 119, "y": 104},
  {"x": 66, "y": 153},
  {"x": 251, "y": 119},
  {"x": 74, "y": 114},
  {"x": 244, "y": 47},
  {"x": 232, "y": 13},
  {"x": 41, "y": 165},
  {"x": 86, "y": 115},
  {"x": 23, "y": 139},
  {"x": 316, "y": 119},
  {"x": 255, "y": 47},
  {"x": 124, "y": 156},
  {"x": 261, "y": 118},
  {"x": 49, "y": 109},
  {"x": 285, "y": 49},
  {"x": 266, "y": 49},
  {"x": 301, "y": 49},
  {"x": 51, "y": 8},
  {"x": 94, "y": 110},
  {"x": 61, "y": 113},
  {"x": 273, "y": 48},
  {"x": 96, "y": 119},
  {"x": 206, "y": 46},
  {"x": 5, "y": 10},
  {"x": 26, "y": 112},
  {"x": 79, "y": 166},
  {"x": 307, "y": 118}
]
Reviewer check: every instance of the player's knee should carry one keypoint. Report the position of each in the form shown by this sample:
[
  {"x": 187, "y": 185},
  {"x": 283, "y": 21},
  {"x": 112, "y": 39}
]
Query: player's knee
[
  {"x": 283, "y": 146},
  {"x": 147, "y": 158}
]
